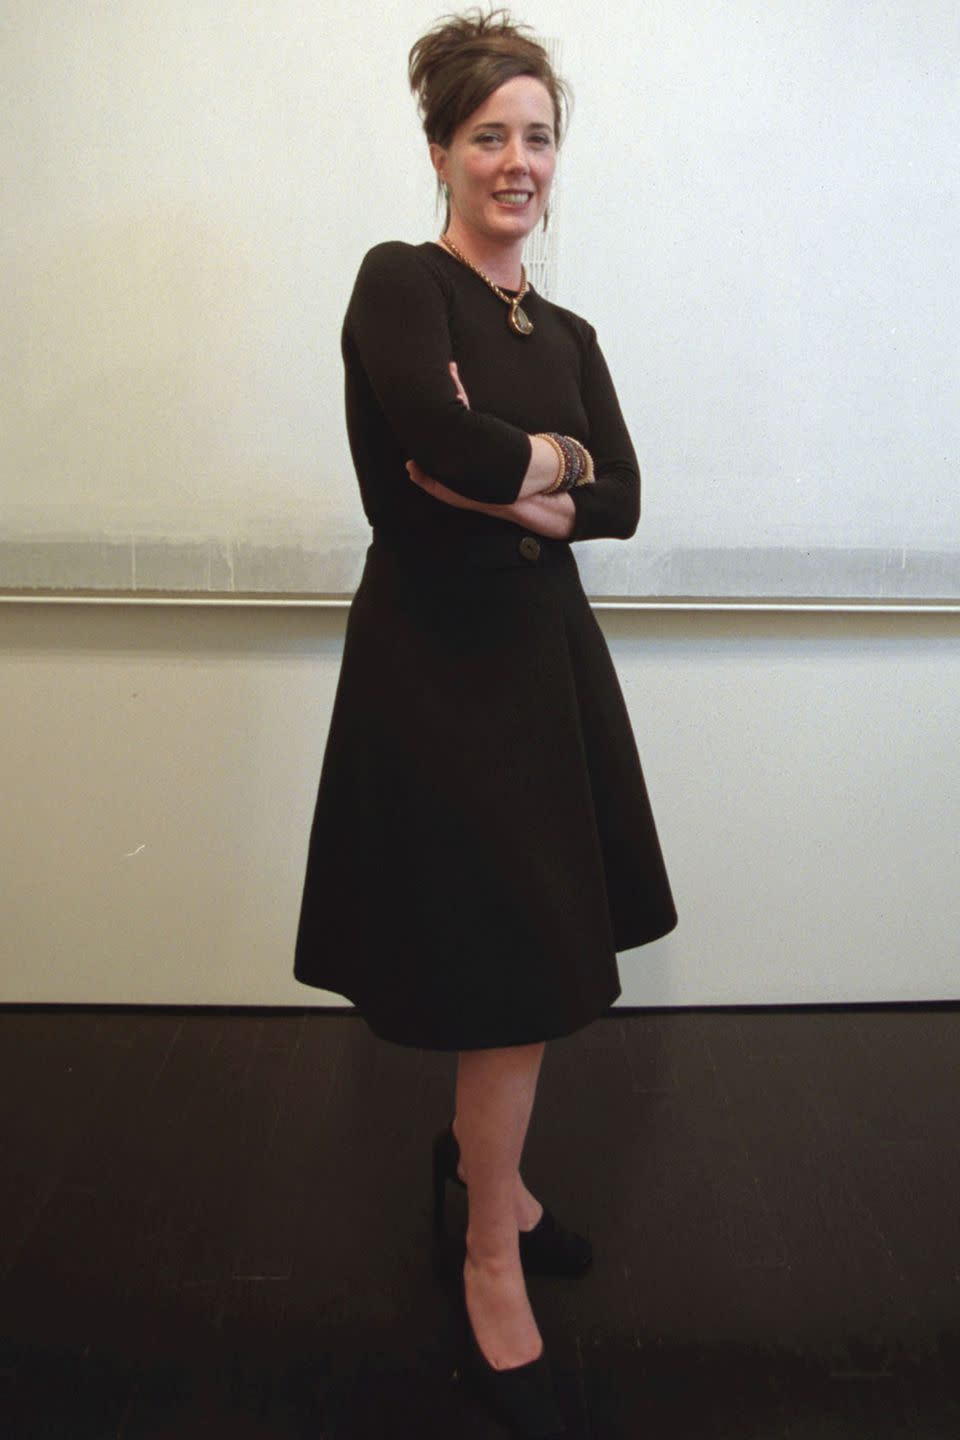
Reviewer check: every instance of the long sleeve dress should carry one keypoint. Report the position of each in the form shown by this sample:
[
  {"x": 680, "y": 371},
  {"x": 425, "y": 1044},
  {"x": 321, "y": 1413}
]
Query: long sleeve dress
[{"x": 482, "y": 843}]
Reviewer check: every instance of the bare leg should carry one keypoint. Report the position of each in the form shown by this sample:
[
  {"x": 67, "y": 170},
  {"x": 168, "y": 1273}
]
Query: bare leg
[
  {"x": 529, "y": 1209},
  {"x": 495, "y": 1094}
]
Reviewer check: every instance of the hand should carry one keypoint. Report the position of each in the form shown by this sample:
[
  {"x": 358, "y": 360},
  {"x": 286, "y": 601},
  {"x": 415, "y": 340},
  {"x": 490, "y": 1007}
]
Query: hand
[
  {"x": 443, "y": 492},
  {"x": 550, "y": 515},
  {"x": 434, "y": 487},
  {"x": 461, "y": 393}
]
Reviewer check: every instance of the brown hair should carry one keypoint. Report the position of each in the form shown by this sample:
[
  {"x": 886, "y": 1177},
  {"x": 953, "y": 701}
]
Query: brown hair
[{"x": 458, "y": 63}]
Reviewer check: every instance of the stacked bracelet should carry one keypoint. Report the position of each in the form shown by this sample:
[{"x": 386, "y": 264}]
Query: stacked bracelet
[
  {"x": 554, "y": 442},
  {"x": 576, "y": 462},
  {"x": 586, "y": 476}
]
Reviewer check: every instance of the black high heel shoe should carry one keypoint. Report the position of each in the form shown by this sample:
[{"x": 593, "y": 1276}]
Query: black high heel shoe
[
  {"x": 521, "y": 1398},
  {"x": 547, "y": 1249}
]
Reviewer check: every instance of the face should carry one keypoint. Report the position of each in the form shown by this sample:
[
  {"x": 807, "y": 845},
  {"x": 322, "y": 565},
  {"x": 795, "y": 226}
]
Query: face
[{"x": 499, "y": 164}]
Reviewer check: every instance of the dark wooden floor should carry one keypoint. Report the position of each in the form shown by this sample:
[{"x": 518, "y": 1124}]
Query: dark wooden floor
[{"x": 218, "y": 1223}]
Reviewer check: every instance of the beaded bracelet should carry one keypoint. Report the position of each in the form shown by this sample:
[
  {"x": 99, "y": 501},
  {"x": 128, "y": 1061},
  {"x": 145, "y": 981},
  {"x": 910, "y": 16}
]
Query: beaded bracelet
[
  {"x": 576, "y": 462},
  {"x": 588, "y": 476},
  {"x": 554, "y": 442}
]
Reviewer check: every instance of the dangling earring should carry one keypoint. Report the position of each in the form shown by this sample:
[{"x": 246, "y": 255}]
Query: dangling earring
[{"x": 546, "y": 217}]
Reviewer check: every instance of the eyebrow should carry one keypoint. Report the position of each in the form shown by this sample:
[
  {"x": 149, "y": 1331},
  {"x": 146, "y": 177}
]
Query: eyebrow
[{"x": 499, "y": 125}]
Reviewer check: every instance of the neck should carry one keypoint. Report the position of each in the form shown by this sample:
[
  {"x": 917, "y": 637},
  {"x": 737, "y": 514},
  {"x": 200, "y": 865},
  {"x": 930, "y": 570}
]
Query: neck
[{"x": 500, "y": 260}]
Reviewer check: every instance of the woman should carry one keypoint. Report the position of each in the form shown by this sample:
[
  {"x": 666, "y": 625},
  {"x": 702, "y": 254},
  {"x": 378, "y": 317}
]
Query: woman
[{"x": 483, "y": 843}]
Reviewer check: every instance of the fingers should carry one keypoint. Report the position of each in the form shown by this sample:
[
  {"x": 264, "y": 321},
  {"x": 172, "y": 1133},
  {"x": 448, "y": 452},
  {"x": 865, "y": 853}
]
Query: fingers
[
  {"x": 420, "y": 477},
  {"x": 461, "y": 393},
  {"x": 441, "y": 492}
]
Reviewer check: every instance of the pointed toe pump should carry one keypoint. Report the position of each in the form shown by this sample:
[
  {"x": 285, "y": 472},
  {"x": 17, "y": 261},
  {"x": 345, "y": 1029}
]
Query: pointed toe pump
[
  {"x": 547, "y": 1249},
  {"x": 522, "y": 1398}
]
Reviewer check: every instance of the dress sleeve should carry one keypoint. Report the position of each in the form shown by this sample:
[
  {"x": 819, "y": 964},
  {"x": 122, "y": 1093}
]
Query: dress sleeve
[
  {"x": 397, "y": 328},
  {"x": 611, "y": 506}
]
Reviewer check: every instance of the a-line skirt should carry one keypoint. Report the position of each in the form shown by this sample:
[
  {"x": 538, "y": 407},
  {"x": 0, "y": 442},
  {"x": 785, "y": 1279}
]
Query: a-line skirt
[{"x": 482, "y": 844}]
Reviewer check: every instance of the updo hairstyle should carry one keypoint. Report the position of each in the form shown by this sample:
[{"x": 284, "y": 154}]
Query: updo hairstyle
[{"x": 458, "y": 63}]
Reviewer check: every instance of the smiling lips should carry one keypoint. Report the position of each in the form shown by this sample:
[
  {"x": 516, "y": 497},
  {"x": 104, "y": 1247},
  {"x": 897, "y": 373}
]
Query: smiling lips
[{"x": 512, "y": 197}]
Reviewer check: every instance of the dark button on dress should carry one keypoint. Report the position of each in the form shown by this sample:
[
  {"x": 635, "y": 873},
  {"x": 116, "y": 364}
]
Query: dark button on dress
[{"x": 482, "y": 843}]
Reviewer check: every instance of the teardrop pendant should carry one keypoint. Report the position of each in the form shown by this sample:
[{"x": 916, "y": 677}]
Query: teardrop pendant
[{"x": 520, "y": 321}]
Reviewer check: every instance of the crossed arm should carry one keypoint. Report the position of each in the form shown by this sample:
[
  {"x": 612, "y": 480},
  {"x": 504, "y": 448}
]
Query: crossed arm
[
  {"x": 397, "y": 330},
  {"x": 550, "y": 515}
]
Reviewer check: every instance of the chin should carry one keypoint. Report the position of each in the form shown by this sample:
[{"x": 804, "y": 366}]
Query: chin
[{"x": 516, "y": 225}]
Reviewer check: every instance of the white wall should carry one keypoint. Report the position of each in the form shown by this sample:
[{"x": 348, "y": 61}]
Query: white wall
[
  {"x": 159, "y": 768},
  {"x": 755, "y": 207}
]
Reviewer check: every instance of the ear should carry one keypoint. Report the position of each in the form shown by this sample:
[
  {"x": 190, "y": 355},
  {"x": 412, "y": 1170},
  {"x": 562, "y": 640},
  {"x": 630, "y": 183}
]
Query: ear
[{"x": 438, "y": 159}]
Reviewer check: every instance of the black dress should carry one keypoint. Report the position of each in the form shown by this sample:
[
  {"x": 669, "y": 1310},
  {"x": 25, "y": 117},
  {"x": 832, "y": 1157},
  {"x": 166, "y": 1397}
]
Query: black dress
[{"x": 482, "y": 843}]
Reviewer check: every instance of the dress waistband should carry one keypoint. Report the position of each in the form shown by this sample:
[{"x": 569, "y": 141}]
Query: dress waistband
[{"x": 505, "y": 551}]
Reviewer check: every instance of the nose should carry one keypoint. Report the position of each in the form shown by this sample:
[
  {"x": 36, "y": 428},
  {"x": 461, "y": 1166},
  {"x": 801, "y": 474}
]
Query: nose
[{"x": 515, "y": 157}]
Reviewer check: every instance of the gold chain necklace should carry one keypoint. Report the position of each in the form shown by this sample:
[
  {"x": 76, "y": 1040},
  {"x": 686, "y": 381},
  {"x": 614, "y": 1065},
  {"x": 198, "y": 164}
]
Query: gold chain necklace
[{"x": 517, "y": 318}]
